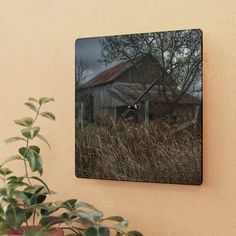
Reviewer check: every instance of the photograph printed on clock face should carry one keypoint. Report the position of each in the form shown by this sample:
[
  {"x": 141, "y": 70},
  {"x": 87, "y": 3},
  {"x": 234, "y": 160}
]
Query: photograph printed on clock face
[{"x": 138, "y": 107}]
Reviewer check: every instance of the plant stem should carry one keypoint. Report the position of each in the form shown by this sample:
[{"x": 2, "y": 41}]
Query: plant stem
[
  {"x": 37, "y": 114},
  {"x": 26, "y": 220},
  {"x": 27, "y": 145},
  {"x": 25, "y": 164},
  {"x": 26, "y": 170},
  {"x": 34, "y": 218}
]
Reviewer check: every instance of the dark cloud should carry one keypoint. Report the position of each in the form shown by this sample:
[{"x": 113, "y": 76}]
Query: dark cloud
[{"x": 89, "y": 50}]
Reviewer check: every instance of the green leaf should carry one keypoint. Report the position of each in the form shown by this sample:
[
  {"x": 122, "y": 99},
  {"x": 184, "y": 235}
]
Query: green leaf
[
  {"x": 2, "y": 213},
  {"x": 11, "y": 158},
  {"x": 11, "y": 140},
  {"x": 65, "y": 216},
  {"x": 86, "y": 217},
  {"x": 50, "y": 220},
  {"x": 5, "y": 171},
  {"x": 96, "y": 214},
  {"x": 35, "y": 148},
  {"x": 25, "y": 196},
  {"x": 122, "y": 224},
  {"x": 33, "y": 99},
  {"x": 37, "y": 199},
  {"x": 31, "y": 106},
  {"x": 15, "y": 216},
  {"x": 15, "y": 178},
  {"x": 45, "y": 100},
  {"x": 97, "y": 231},
  {"x": 92, "y": 231},
  {"x": 43, "y": 139},
  {"x": 26, "y": 122},
  {"x": 34, "y": 189},
  {"x": 104, "y": 231},
  {"x": 34, "y": 195},
  {"x": 11, "y": 200},
  {"x": 134, "y": 233},
  {"x": 47, "y": 209},
  {"x": 15, "y": 181},
  {"x": 41, "y": 181},
  {"x": 30, "y": 133},
  {"x": 69, "y": 204},
  {"x": 44, "y": 212},
  {"x": 33, "y": 157},
  {"x": 85, "y": 205},
  {"x": 114, "y": 218},
  {"x": 48, "y": 115},
  {"x": 3, "y": 191},
  {"x": 28, "y": 194}
]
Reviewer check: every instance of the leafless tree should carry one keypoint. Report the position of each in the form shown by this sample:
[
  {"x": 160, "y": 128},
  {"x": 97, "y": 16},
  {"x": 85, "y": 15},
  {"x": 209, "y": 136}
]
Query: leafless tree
[
  {"x": 179, "y": 53},
  {"x": 81, "y": 71}
]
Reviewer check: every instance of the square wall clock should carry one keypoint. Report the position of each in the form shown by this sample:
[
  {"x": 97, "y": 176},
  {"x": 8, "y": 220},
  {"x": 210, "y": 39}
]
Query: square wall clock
[{"x": 138, "y": 107}]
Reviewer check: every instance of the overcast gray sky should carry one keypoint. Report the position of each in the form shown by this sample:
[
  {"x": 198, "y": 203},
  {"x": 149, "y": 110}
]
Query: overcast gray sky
[{"x": 90, "y": 50}]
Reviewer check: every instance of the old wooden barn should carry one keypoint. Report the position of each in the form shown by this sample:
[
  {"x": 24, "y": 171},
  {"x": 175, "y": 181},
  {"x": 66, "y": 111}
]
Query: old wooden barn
[{"x": 109, "y": 93}]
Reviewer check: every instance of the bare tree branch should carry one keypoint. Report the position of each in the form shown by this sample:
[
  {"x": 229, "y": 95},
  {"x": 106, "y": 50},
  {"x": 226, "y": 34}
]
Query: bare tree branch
[
  {"x": 179, "y": 53},
  {"x": 81, "y": 71}
]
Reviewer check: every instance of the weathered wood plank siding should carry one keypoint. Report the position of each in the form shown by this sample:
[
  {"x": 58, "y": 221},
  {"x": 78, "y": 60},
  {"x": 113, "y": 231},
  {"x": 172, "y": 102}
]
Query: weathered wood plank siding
[{"x": 104, "y": 102}]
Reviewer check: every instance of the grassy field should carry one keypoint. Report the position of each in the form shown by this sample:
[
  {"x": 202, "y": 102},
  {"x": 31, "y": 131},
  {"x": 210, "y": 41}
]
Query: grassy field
[{"x": 131, "y": 152}]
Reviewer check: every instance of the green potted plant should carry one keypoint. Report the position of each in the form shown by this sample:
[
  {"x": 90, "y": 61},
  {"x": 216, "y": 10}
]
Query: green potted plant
[{"x": 24, "y": 205}]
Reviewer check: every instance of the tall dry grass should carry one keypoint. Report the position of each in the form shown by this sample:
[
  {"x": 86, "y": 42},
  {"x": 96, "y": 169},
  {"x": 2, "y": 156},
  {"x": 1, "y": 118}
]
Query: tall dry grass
[{"x": 131, "y": 152}]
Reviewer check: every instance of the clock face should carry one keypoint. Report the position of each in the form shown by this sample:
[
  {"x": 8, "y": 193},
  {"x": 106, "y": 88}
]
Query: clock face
[{"x": 138, "y": 107}]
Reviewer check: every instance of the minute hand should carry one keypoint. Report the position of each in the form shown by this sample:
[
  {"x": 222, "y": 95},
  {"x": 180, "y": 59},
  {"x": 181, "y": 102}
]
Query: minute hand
[{"x": 147, "y": 90}]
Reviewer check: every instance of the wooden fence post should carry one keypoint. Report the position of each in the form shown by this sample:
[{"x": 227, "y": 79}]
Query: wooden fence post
[
  {"x": 146, "y": 115},
  {"x": 115, "y": 114}
]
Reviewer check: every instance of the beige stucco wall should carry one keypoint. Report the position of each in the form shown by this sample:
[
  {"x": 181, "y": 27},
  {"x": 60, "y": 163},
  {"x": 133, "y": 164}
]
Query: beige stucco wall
[{"x": 37, "y": 59}]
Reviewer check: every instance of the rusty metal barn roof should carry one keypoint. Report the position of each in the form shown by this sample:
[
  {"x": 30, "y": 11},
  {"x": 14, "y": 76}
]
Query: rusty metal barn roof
[
  {"x": 112, "y": 73},
  {"x": 109, "y": 74}
]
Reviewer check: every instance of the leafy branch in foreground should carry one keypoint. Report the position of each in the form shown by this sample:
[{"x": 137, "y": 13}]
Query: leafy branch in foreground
[{"x": 23, "y": 199}]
